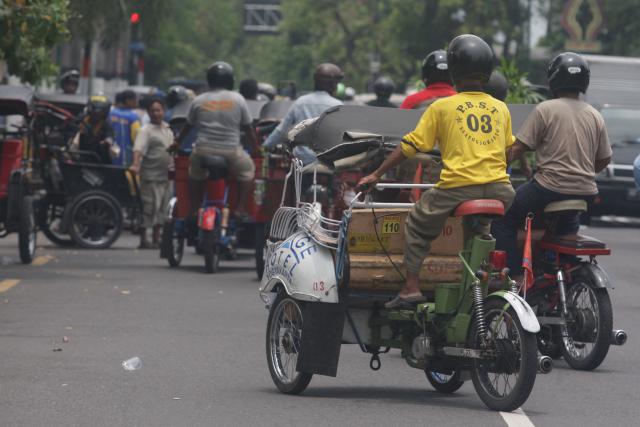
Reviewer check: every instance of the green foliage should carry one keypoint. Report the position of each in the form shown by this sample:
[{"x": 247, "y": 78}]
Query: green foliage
[
  {"x": 29, "y": 30},
  {"x": 520, "y": 92}
]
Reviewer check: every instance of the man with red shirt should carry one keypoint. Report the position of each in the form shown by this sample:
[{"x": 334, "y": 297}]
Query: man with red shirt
[{"x": 435, "y": 75}]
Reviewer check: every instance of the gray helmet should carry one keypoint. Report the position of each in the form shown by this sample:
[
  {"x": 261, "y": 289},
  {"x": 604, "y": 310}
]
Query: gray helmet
[
  {"x": 497, "y": 86},
  {"x": 220, "y": 75},
  {"x": 384, "y": 87}
]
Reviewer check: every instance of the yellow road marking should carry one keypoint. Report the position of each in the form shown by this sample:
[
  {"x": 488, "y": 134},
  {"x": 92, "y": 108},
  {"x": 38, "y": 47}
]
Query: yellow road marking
[
  {"x": 7, "y": 284},
  {"x": 41, "y": 260}
]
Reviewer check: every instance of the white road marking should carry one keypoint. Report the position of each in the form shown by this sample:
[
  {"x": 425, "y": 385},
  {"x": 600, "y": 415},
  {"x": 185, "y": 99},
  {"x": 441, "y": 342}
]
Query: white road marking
[{"x": 516, "y": 418}]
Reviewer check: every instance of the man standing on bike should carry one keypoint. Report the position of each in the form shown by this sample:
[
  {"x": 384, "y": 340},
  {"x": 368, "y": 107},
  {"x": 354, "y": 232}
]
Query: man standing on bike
[
  {"x": 473, "y": 131},
  {"x": 220, "y": 115},
  {"x": 571, "y": 145},
  {"x": 326, "y": 79},
  {"x": 95, "y": 134},
  {"x": 436, "y": 77}
]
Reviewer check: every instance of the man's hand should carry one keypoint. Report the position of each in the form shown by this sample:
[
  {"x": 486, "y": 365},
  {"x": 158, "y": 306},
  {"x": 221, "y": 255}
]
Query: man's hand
[
  {"x": 367, "y": 183},
  {"x": 173, "y": 148},
  {"x": 135, "y": 169}
]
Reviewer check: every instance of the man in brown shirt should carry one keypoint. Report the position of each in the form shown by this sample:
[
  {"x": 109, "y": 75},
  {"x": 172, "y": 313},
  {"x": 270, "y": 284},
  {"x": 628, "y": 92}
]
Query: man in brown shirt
[{"x": 571, "y": 145}]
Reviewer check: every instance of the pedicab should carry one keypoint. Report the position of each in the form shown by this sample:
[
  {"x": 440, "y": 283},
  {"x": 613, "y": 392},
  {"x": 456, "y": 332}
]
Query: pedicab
[
  {"x": 214, "y": 232},
  {"x": 18, "y": 193},
  {"x": 55, "y": 124},
  {"x": 326, "y": 281}
]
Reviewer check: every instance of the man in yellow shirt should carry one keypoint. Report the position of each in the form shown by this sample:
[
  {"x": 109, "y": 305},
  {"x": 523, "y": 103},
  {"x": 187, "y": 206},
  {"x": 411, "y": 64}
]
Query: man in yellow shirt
[{"x": 473, "y": 131}]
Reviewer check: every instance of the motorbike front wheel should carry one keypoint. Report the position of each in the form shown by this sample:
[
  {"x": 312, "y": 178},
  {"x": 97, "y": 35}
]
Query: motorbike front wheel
[
  {"x": 588, "y": 335},
  {"x": 211, "y": 251},
  {"x": 173, "y": 244},
  {"x": 445, "y": 383},
  {"x": 504, "y": 382},
  {"x": 284, "y": 338}
]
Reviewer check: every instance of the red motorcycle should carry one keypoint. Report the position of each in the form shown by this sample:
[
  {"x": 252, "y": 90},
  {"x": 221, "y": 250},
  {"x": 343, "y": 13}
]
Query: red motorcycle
[{"x": 569, "y": 293}]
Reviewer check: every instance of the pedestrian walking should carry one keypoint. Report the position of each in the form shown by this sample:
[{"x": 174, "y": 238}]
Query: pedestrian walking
[{"x": 151, "y": 162}]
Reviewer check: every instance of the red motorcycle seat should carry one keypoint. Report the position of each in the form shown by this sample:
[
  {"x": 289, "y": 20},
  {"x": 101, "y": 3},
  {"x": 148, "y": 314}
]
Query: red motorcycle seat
[
  {"x": 578, "y": 245},
  {"x": 480, "y": 207}
]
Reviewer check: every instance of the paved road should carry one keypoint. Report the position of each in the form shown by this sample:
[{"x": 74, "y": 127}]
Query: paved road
[{"x": 201, "y": 340}]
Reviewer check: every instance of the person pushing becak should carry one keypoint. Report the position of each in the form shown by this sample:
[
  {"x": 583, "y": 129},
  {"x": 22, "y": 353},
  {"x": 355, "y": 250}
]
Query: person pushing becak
[{"x": 473, "y": 132}]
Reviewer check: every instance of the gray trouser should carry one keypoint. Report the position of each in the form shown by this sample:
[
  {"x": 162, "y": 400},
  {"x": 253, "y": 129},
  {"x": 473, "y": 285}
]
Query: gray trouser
[{"x": 429, "y": 214}]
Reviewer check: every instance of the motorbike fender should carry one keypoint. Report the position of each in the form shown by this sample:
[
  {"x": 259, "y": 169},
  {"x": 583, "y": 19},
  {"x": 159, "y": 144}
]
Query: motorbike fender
[
  {"x": 171, "y": 208},
  {"x": 599, "y": 277},
  {"x": 304, "y": 268},
  {"x": 207, "y": 219},
  {"x": 525, "y": 313}
]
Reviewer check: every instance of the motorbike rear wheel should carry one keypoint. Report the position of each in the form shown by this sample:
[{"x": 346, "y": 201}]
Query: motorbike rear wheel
[
  {"x": 504, "y": 383},
  {"x": 588, "y": 340},
  {"x": 445, "y": 383},
  {"x": 211, "y": 251},
  {"x": 284, "y": 338}
]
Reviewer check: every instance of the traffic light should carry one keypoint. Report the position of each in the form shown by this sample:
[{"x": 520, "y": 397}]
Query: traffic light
[{"x": 134, "y": 18}]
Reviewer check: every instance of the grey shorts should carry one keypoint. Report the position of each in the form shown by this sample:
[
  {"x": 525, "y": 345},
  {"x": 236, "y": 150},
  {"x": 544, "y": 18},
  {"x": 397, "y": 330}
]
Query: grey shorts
[{"x": 240, "y": 164}]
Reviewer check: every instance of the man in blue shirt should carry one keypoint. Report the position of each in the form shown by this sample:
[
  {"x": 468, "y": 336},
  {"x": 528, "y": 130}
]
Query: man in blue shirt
[
  {"x": 125, "y": 123},
  {"x": 326, "y": 78}
]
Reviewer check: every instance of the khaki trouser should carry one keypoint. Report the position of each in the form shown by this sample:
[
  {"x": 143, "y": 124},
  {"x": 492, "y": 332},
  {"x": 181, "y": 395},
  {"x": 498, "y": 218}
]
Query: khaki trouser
[{"x": 429, "y": 214}]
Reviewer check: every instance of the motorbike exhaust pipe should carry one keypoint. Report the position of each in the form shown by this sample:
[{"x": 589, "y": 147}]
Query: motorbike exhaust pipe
[
  {"x": 545, "y": 364},
  {"x": 618, "y": 337}
]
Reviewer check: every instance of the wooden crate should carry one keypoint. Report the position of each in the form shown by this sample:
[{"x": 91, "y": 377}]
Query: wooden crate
[{"x": 376, "y": 272}]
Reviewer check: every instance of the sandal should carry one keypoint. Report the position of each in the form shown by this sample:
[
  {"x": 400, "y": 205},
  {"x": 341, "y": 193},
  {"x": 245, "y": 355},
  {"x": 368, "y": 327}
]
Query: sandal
[{"x": 400, "y": 301}]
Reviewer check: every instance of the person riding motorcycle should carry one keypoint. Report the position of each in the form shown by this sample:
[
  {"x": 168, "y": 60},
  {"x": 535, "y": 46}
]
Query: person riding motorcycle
[
  {"x": 436, "y": 77},
  {"x": 220, "y": 115},
  {"x": 95, "y": 133},
  {"x": 497, "y": 86},
  {"x": 69, "y": 81},
  {"x": 383, "y": 88},
  {"x": 571, "y": 144},
  {"x": 326, "y": 78},
  {"x": 472, "y": 130}
]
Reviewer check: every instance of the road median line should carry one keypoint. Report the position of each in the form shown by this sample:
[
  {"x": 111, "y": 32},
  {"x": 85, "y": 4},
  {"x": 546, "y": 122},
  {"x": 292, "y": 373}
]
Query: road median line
[
  {"x": 7, "y": 284},
  {"x": 42, "y": 260}
]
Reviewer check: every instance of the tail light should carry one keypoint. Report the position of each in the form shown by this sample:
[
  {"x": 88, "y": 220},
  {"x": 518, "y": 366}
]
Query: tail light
[{"x": 498, "y": 259}]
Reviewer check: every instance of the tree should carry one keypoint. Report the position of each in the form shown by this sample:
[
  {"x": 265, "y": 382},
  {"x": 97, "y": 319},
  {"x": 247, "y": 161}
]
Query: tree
[{"x": 30, "y": 28}]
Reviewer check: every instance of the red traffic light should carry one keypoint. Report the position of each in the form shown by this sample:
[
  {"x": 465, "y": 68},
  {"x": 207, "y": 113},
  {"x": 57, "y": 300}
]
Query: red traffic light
[{"x": 134, "y": 18}]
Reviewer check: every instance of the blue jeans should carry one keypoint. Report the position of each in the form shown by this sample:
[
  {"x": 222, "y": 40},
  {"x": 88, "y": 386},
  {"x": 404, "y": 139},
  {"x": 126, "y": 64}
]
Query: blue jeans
[{"x": 530, "y": 197}]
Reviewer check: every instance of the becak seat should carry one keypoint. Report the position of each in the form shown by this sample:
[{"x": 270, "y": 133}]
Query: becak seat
[
  {"x": 484, "y": 207},
  {"x": 216, "y": 165}
]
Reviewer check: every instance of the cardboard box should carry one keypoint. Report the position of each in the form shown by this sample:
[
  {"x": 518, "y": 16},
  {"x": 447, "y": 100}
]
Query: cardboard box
[
  {"x": 377, "y": 272},
  {"x": 389, "y": 224}
]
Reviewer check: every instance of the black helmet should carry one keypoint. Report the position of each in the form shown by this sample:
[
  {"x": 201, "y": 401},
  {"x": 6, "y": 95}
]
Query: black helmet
[
  {"x": 568, "y": 71},
  {"x": 220, "y": 75},
  {"x": 435, "y": 68},
  {"x": 327, "y": 76},
  {"x": 70, "y": 76},
  {"x": 469, "y": 57},
  {"x": 384, "y": 87},
  {"x": 497, "y": 86},
  {"x": 98, "y": 105},
  {"x": 176, "y": 95}
]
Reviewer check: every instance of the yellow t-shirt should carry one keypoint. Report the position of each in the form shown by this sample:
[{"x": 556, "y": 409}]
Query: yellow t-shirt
[{"x": 473, "y": 131}]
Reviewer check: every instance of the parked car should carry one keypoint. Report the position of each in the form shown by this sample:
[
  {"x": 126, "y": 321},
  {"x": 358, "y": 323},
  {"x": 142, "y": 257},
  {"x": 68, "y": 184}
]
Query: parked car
[{"x": 618, "y": 194}]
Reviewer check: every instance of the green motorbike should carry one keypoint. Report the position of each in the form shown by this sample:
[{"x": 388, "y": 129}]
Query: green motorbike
[{"x": 475, "y": 327}]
